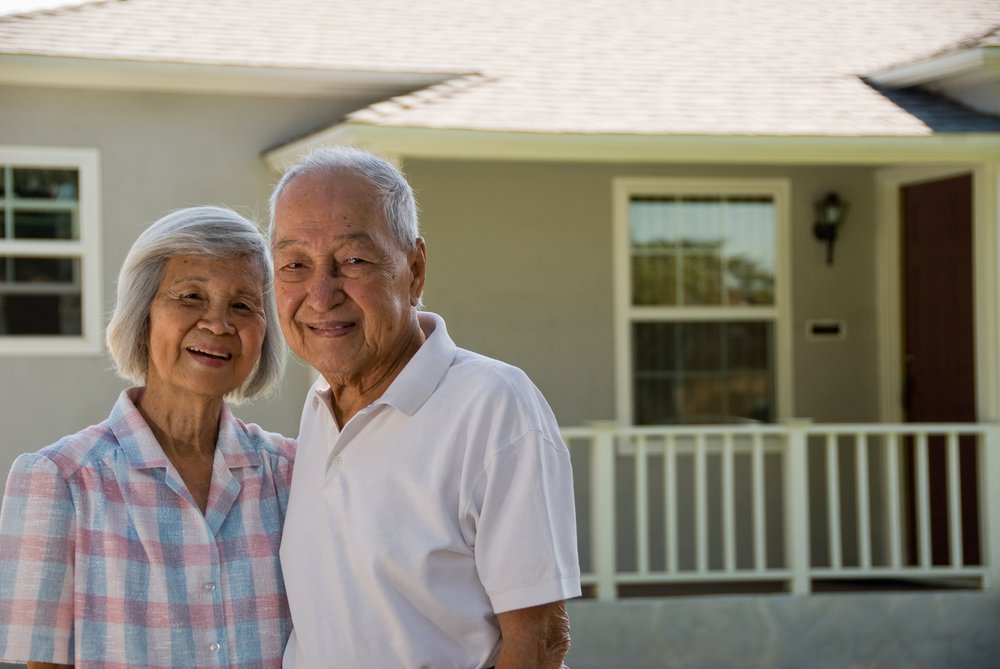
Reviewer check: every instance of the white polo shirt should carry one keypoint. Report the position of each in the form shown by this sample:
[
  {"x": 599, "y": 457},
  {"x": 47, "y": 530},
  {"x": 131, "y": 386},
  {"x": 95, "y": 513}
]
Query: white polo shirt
[{"x": 446, "y": 501}]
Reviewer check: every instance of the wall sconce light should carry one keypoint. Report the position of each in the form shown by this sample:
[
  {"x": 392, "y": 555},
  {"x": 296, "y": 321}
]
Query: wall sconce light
[{"x": 830, "y": 212}]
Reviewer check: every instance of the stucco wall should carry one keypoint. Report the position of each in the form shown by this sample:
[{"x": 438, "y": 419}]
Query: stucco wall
[
  {"x": 158, "y": 152},
  {"x": 520, "y": 264}
]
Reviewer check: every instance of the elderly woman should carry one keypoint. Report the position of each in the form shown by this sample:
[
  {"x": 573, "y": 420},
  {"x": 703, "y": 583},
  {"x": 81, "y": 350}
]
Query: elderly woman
[{"x": 151, "y": 540}]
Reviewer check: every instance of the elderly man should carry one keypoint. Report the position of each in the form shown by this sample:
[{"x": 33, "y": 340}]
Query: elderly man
[{"x": 431, "y": 519}]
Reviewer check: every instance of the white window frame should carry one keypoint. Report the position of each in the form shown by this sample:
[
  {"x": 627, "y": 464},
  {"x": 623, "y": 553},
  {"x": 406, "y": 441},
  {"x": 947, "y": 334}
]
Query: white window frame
[
  {"x": 87, "y": 248},
  {"x": 624, "y": 189}
]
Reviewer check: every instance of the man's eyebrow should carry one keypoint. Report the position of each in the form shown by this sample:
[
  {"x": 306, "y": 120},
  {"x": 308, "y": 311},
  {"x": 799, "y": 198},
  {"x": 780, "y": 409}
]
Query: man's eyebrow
[{"x": 350, "y": 237}]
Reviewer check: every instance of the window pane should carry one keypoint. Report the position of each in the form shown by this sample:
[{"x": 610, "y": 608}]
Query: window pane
[
  {"x": 40, "y": 296},
  {"x": 655, "y": 347},
  {"x": 44, "y": 270},
  {"x": 43, "y": 225},
  {"x": 654, "y": 279},
  {"x": 3, "y": 224},
  {"x": 702, "y": 372},
  {"x": 40, "y": 314},
  {"x": 748, "y": 346},
  {"x": 749, "y": 251},
  {"x": 47, "y": 184},
  {"x": 720, "y": 249},
  {"x": 656, "y": 402},
  {"x": 702, "y": 279}
]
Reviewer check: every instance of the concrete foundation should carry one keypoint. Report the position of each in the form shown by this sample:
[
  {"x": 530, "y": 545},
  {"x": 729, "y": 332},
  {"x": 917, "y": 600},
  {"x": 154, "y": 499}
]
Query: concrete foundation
[{"x": 939, "y": 630}]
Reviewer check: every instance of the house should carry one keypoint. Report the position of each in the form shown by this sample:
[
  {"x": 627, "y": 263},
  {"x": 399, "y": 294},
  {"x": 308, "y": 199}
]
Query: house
[{"x": 748, "y": 250}]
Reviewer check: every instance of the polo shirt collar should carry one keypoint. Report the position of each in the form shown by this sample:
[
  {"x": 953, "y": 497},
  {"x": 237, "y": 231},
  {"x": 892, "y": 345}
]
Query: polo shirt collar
[
  {"x": 144, "y": 452},
  {"x": 423, "y": 373}
]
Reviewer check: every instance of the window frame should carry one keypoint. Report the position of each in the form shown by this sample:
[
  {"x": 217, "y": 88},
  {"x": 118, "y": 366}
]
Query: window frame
[
  {"x": 626, "y": 188},
  {"x": 87, "y": 249}
]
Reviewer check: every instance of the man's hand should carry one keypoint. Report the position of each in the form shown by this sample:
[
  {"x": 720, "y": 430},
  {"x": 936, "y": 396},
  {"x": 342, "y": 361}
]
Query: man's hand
[{"x": 534, "y": 638}]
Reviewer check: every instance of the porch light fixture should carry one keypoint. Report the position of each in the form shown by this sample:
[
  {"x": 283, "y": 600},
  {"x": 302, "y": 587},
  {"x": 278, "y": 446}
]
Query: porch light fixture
[{"x": 830, "y": 213}]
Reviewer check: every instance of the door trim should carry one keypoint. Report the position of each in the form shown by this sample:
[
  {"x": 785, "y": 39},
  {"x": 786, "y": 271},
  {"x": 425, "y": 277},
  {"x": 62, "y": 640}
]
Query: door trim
[{"x": 986, "y": 307}]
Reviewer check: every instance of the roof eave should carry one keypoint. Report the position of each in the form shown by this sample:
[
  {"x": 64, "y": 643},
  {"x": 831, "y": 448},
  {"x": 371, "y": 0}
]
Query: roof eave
[
  {"x": 980, "y": 63},
  {"x": 398, "y": 142},
  {"x": 115, "y": 74}
]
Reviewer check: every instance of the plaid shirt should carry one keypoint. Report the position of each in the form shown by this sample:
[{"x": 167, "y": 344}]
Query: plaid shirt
[{"x": 106, "y": 561}]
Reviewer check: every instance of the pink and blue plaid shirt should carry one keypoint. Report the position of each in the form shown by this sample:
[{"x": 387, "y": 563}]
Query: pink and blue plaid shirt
[{"x": 106, "y": 561}]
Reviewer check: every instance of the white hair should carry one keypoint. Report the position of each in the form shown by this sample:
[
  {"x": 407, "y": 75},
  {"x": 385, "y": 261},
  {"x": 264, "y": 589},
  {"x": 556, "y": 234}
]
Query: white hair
[{"x": 217, "y": 232}]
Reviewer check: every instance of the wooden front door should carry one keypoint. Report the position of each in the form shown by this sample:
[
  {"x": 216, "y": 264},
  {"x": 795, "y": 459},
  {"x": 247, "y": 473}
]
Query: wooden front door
[{"x": 940, "y": 383}]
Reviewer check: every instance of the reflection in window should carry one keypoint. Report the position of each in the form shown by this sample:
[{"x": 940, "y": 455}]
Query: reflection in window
[
  {"x": 702, "y": 251},
  {"x": 45, "y": 184}
]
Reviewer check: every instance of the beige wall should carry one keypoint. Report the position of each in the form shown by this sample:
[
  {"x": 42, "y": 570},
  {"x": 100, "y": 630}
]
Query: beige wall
[
  {"x": 158, "y": 152},
  {"x": 520, "y": 264}
]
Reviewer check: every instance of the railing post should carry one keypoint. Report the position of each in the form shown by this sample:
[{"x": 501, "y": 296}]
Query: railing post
[
  {"x": 602, "y": 484},
  {"x": 797, "y": 506},
  {"x": 990, "y": 503}
]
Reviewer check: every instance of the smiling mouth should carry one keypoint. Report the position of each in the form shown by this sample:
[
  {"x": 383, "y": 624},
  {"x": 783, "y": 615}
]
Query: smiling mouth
[
  {"x": 331, "y": 329},
  {"x": 209, "y": 354}
]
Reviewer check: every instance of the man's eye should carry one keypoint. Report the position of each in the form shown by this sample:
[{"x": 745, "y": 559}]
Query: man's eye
[{"x": 354, "y": 261}]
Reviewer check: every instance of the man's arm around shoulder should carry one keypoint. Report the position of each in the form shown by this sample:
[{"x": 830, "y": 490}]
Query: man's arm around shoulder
[{"x": 534, "y": 638}]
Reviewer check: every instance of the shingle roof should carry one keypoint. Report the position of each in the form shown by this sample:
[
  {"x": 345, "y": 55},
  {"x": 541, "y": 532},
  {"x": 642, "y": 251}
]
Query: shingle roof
[{"x": 769, "y": 67}]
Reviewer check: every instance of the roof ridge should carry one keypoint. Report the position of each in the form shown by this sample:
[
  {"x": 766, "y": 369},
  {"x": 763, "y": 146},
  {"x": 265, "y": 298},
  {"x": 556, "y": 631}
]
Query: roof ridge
[{"x": 67, "y": 7}]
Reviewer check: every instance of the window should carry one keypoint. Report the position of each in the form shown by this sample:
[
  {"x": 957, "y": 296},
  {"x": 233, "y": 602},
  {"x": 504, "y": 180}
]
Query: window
[
  {"x": 700, "y": 300},
  {"x": 49, "y": 251}
]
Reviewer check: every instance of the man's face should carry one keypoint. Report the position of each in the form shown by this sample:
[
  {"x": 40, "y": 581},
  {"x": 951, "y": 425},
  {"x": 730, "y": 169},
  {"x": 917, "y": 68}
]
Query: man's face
[{"x": 345, "y": 291}]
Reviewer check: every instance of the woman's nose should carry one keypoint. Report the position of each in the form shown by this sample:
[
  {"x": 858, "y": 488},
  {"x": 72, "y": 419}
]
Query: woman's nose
[{"x": 217, "y": 321}]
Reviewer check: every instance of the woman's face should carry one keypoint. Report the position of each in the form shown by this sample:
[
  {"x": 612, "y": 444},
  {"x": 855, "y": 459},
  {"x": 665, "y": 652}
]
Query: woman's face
[{"x": 206, "y": 325}]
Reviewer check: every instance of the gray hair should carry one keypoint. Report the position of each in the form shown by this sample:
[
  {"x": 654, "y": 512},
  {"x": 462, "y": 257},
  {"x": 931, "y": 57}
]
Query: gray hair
[
  {"x": 399, "y": 209},
  {"x": 217, "y": 232}
]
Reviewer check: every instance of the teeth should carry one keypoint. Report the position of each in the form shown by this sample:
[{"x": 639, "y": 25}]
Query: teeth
[{"x": 227, "y": 356}]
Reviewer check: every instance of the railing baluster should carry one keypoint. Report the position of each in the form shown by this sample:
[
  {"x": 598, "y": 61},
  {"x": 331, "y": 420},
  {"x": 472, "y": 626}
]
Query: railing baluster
[
  {"x": 670, "y": 515},
  {"x": 923, "y": 502},
  {"x": 759, "y": 522},
  {"x": 728, "y": 505},
  {"x": 989, "y": 504},
  {"x": 602, "y": 471},
  {"x": 701, "y": 504},
  {"x": 864, "y": 504},
  {"x": 833, "y": 501},
  {"x": 642, "y": 504},
  {"x": 893, "y": 500},
  {"x": 796, "y": 481},
  {"x": 954, "y": 502}
]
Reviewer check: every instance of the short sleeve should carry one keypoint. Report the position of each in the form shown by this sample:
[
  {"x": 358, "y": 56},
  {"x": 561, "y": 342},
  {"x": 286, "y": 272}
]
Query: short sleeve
[
  {"x": 36, "y": 564},
  {"x": 526, "y": 550}
]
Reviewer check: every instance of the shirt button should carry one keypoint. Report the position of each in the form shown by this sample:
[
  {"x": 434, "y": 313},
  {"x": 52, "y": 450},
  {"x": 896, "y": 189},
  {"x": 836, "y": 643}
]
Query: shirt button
[
  {"x": 214, "y": 646},
  {"x": 337, "y": 461},
  {"x": 209, "y": 587}
]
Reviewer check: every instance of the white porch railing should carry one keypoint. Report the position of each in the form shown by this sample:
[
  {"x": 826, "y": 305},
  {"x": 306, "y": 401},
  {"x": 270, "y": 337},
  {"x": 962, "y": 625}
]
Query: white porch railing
[{"x": 794, "y": 504}]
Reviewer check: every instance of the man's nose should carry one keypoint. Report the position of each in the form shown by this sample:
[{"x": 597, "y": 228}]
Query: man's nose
[{"x": 325, "y": 291}]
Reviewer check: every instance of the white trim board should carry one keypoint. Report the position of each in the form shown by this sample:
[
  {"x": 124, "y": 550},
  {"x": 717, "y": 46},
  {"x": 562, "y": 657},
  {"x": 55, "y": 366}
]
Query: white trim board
[{"x": 467, "y": 144}]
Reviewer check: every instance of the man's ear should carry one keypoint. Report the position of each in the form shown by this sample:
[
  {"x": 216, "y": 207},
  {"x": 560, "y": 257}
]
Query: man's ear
[{"x": 418, "y": 270}]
